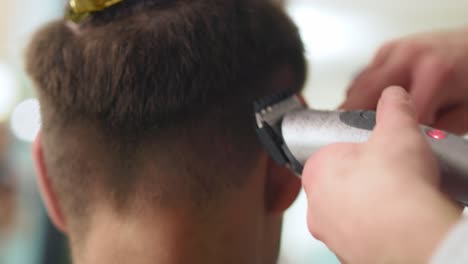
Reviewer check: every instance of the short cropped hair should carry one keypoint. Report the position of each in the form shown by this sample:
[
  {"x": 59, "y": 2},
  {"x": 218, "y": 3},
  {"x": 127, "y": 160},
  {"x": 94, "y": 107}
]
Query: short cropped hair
[{"x": 152, "y": 100}]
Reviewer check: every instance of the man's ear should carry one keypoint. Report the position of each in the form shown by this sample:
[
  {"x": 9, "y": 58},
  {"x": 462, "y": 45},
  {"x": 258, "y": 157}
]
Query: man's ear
[
  {"x": 45, "y": 186},
  {"x": 282, "y": 188}
]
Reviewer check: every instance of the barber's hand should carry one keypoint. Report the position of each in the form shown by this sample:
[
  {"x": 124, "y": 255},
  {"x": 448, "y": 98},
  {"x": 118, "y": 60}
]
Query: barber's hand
[
  {"x": 434, "y": 69},
  {"x": 378, "y": 202}
]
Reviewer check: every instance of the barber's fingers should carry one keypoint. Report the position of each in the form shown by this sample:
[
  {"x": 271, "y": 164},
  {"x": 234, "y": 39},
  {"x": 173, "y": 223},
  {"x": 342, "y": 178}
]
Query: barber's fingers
[
  {"x": 396, "y": 120},
  {"x": 429, "y": 88},
  {"x": 363, "y": 93},
  {"x": 325, "y": 160},
  {"x": 398, "y": 136},
  {"x": 384, "y": 53},
  {"x": 454, "y": 120},
  {"x": 395, "y": 109},
  {"x": 367, "y": 88},
  {"x": 365, "y": 76},
  {"x": 321, "y": 170},
  {"x": 327, "y": 167}
]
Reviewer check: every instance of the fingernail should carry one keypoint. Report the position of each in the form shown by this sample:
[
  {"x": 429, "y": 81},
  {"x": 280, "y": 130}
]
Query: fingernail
[{"x": 396, "y": 93}]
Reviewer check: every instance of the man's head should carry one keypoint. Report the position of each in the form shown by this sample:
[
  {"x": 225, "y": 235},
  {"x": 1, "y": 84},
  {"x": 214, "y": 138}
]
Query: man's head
[{"x": 147, "y": 110}]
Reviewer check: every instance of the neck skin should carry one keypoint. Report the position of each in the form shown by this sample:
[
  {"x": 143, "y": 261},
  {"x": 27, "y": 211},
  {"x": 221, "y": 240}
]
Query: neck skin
[{"x": 241, "y": 232}]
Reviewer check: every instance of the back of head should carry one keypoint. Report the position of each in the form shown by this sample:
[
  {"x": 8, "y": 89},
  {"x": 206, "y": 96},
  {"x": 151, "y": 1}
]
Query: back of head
[{"x": 149, "y": 101}]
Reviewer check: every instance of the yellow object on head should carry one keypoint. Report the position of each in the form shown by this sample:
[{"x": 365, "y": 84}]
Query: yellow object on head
[{"x": 80, "y": 9}]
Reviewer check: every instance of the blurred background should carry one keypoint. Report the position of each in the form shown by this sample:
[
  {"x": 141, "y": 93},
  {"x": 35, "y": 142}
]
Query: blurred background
[{"x": 341, "y": 37}]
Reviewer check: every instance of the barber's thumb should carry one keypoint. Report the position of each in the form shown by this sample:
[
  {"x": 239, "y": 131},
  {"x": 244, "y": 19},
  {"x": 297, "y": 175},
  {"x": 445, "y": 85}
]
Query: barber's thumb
[{"x": 396, "y": 114}]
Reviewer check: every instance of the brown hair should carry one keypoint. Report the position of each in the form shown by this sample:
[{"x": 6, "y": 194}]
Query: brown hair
[{"x": 151, "y": 100}]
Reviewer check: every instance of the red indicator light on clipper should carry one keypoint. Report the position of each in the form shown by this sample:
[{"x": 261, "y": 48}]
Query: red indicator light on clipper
[{"x": 436, "y": 134}]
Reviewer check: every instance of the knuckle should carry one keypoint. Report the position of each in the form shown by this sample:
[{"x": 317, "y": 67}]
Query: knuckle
[
  {"x": 412, "y": 49},
  {"x": 309, "y": 175},
  {"x": 327, "y": 162},
  {"x": 439, "y": 63},
  {"x": 386, "y": 48},
  {"x": 382, "y": 53},
  {"x": 315, "y": 170},
  {"x": 313, "y": 228},
  {"x": 415, "y": 47},
  {"x": 318, "y": 159},
  {"x": 310, "y": 168},
  {"x": 315, "y": 234}
]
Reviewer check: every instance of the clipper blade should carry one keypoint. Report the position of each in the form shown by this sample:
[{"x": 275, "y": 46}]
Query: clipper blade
[
  {"x": 272, "y": 109},
  {"x": 269, "y": 113}
]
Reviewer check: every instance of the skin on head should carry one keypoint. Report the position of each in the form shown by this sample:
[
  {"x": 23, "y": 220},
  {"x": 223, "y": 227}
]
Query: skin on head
[{"x": 148, "y": 130}]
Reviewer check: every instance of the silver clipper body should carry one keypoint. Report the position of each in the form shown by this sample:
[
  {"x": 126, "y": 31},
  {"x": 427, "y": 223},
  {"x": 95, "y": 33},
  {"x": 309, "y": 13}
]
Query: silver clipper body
[{"x": 291, "y": 133}]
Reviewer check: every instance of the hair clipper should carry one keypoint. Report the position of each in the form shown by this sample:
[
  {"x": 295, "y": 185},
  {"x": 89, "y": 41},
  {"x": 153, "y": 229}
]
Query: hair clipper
[{"x": 291, "y": 132}]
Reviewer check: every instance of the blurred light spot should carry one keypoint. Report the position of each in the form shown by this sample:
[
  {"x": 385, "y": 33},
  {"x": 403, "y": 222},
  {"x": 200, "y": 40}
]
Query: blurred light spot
[
  {"x": 325, "y": 35},
  {"x": 8, "y": 91},
  {"x": 26, "y": 120}
]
